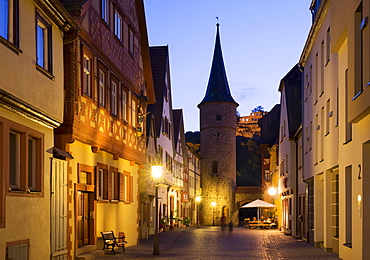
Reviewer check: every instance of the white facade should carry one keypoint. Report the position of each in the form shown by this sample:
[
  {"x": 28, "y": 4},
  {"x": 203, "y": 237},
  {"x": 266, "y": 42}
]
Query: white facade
[{"x": 335, "y": 127}]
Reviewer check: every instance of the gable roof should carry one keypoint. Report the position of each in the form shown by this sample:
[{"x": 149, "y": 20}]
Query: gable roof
[
  {"x": 218, "y": 87},
  {"x": 160, "y": 64},
  {"x": 177, "y": 119},
  {"x": 270, "y": 126},
  {"x": 292, "y": 86}
]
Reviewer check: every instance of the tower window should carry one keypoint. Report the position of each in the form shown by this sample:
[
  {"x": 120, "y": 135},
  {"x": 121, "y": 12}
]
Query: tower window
[
  {"x": 218, "y": 117},
  {"x": 214, "y": 167}
]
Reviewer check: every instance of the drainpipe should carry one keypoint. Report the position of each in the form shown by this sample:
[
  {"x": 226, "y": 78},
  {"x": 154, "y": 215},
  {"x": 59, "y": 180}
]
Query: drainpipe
[{"x": 301, "y": 69}]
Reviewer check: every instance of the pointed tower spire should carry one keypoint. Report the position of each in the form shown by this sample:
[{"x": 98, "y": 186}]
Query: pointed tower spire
[{"x": 218, "y": 87}]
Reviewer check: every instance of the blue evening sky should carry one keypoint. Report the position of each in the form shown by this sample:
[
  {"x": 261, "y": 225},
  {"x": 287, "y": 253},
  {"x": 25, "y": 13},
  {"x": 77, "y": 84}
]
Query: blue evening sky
[{"x": 261, "y": 41}]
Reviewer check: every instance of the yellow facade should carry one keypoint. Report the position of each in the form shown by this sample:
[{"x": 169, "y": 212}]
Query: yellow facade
[
  {"x": 23, "y": 212},
  {"x": 108, "y": 215},
  {"x": 31, "y": 107}
]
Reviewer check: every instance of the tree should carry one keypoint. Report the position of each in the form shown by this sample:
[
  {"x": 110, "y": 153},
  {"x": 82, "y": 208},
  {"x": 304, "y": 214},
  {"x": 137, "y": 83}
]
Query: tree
[
  {"x": 258, "y": 109},
  {"x": 248, "y": 161}
]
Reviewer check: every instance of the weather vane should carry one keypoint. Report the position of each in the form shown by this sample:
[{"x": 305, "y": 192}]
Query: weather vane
[{"x": 217, "y": 20}]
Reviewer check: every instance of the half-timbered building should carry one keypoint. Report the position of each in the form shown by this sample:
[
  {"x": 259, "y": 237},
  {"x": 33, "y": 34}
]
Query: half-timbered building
[{"x": 107, "y": 86}]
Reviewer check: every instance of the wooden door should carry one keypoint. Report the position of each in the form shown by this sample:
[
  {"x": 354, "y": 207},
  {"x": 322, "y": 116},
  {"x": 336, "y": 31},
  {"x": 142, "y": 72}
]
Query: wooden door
[
  {"x": 59, "y": 206},
  {"x": 82, "y": 218},
  {"x": 301, "y": 216}
]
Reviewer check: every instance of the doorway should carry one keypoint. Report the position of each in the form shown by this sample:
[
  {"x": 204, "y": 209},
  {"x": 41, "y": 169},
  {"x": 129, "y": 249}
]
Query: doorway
[
  {"x": 301, "y": 227},
  {"x": 83, "y": 218}
]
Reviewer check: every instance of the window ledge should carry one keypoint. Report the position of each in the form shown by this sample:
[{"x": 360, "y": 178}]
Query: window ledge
[
  {"x": 22, "y": 193},
  {"x": 350, "y": 140},
  {"x": 45, "y": 72},
  {"x": 10, "y": 45},
  {"x": 120, "y": 41},
  {"x": 349, "y": 245},
  {"x": 357, "y": 95}
]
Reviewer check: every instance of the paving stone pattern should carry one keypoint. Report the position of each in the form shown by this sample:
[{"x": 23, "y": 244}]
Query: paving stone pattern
[{"x": 210, "y": 243}]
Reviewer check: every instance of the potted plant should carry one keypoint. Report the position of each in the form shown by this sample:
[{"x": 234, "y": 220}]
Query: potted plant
[
  {"x": 187, "y": 221},
  {"x": 164, "y": 223}
]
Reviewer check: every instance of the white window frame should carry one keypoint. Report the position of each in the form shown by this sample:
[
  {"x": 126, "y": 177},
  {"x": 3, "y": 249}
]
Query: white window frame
[
  {"x": 124, "y": 105},
  {"x": 43, "y": 44},
  {"x": 105, "y": 10},
  {"x": 118, "y": 25},
  {"x": 87, "y": 72},
  {"x": 133, "y": 113},
  {"x": 102, "y": 88},
  {"x": 114, "y": 98}
]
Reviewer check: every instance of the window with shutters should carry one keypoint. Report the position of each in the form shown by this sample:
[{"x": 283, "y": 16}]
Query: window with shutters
[
  {"x": 127, "y": 187},
  {"x": 87, "y": 72},
  {"x": 101, "y": 187},
  {"x": 115, "y": 183}
]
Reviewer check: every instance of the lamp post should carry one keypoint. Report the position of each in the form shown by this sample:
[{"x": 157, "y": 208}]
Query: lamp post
[
  {"x": 197, "y": 199},
  {"x": 156, "y": 173},
  {"x": 213, "y": 212}
]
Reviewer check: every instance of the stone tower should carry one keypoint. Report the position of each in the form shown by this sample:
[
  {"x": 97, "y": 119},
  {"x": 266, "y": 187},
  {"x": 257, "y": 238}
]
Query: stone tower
[{"x": 218, "y": 143}]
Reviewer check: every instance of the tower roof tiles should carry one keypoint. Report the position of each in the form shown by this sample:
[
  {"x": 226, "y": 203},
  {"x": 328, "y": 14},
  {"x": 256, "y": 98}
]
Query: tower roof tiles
[{"x": 218, "y": 87}]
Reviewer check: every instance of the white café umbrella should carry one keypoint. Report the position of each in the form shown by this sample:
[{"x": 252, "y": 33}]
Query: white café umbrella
[{"x": 258, "y": 204}]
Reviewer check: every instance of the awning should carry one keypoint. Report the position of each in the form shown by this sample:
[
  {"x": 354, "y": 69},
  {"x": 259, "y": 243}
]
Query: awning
[
  {"x": 59, "y": 153},
  {"x": 258, "y": 204}
]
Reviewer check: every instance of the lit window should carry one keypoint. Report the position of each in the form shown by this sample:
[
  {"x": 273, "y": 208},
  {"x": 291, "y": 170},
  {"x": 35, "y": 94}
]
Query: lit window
[
  {"x": 100, "y": 184},
  {"x": 87, "y": 73},
  {"x": 134, "y": 115},
  {"x": 43, "y": 44},
  {"x": 114, "y": 98},
  {"x": 115, "y": 184},
  {"x": 126, "y": 187},
  {"x": 102, "y": 81},
  {"x": 124, "y": 106},
  {"x": 118, "y": 25}
]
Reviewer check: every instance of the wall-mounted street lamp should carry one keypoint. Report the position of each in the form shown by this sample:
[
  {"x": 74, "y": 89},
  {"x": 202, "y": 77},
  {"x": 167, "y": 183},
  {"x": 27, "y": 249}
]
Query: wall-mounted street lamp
[
  {"x": 213, "y": 212},
  {"x": 272, "y": 191},
  {"x": 198, "y": 199},
  {"x": 157, "y": 174}
]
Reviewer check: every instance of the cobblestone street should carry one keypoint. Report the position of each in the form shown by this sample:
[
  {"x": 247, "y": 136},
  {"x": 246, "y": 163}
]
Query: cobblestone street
[{"x": 211, "y": 243}]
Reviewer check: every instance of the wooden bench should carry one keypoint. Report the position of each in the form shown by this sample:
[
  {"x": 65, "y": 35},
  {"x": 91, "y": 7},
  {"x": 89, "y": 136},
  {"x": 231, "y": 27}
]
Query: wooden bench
[{"x": 110, "y": 241}]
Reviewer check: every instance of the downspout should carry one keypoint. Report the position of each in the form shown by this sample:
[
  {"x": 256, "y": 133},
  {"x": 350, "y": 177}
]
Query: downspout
[{"x": 301, "y": 69}]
